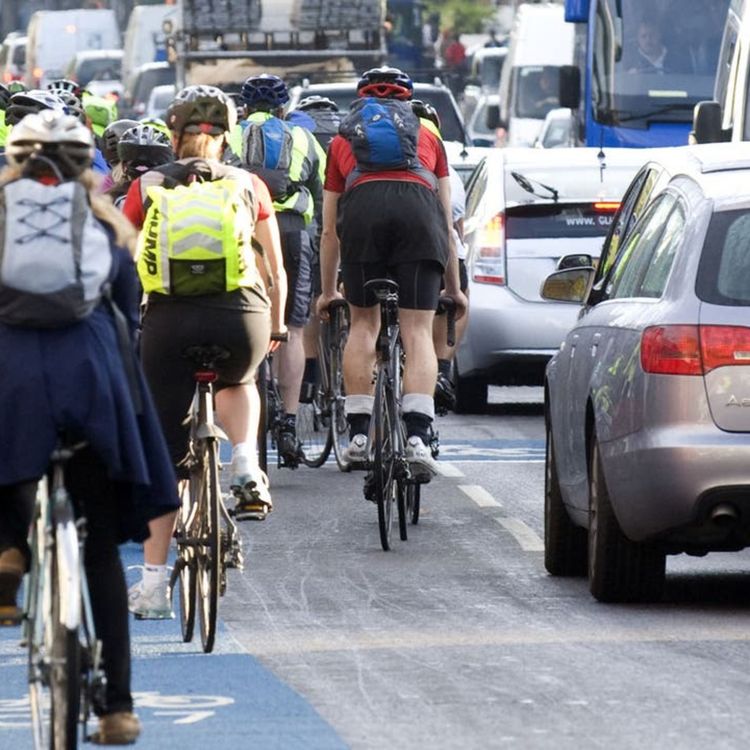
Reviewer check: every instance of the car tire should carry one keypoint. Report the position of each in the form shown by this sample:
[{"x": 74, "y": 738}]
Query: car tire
[
  {"x": 471, "y": 395},
  {"x": 619, "y": 570},
  {"x": 565, "y": 543}
]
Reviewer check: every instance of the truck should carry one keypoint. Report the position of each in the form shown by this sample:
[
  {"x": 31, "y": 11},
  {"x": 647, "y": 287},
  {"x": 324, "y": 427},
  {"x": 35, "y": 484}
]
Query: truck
[
  {"x": 223, "y": 41},
  {"x": 640, "y": 68}
]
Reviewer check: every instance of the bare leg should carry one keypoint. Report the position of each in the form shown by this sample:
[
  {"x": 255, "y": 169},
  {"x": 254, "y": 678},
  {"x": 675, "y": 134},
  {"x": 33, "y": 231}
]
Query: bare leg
[
  {"x": 420, "y": 372},
  {"x": 156, "y": 547},
  {"x": 238, "y": 411},
  {"x": 289, "y": 366},
  {"x": 359, "y": 354}
]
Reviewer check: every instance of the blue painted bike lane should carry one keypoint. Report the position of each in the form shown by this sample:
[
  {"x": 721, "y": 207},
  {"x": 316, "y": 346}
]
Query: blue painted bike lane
[{"x": 185, "y": 699}]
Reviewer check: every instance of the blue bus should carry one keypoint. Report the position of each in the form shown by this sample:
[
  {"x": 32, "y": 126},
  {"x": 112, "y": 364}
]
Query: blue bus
[{"x": 641, "y": 66}]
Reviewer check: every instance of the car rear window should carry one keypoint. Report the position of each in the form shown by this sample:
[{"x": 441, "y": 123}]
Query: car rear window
[
  {"x": 724, "y": 271},
  {"x": 554, "y": 220},
  {"x": 149, "y": 79},
  {"x": 100, "y": 68}
]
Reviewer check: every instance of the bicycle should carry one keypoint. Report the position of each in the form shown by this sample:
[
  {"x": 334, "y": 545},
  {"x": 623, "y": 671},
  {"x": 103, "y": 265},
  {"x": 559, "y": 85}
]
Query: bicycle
[
  {"x": 389, "y": 479},
  {"x": 208, "y": 542},
  {"x": 64, "y": 655}
]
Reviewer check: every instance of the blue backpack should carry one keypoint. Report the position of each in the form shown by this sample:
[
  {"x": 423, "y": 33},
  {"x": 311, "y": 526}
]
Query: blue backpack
[
  {"x": 267, "y": 150},
  {"x": 383, "y": 134}
]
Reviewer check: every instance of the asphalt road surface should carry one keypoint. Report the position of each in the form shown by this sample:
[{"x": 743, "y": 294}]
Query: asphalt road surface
[{"x": 457, "y": 638}]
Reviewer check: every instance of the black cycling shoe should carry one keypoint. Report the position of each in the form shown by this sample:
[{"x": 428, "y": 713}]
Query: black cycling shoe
[
  {"x": 289, "y": 449},
  {"x": 445, "y": 394}
]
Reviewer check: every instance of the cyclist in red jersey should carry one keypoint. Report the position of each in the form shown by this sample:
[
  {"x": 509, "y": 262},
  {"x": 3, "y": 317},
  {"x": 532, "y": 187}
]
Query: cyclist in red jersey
[{"x": 391, "y": 222}]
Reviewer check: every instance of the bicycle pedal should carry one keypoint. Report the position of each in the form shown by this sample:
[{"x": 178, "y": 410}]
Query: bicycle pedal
[{"x": 250, "y": 515}]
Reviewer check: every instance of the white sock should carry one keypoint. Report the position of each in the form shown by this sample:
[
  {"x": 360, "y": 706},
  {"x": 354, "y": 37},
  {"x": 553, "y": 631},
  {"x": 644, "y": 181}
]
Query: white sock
[
  {"x": 359, "y": 404},
  {"x": 154, "y": 575},
  {"x": 422, "y": 403},
  {"x": 240, "y": 449}
]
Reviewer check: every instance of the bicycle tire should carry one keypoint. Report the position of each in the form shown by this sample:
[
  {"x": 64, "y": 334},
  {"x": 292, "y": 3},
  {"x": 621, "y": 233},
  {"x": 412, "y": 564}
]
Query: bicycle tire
[
  {"x": 209, "y": 557},
  {"x": 339, "y": 427},
  {"x": 64, "y": 649},
  {"x": 313, "y": 432},
  {"x": 183, "y": 573},
  {"x": 414, "y": 500},
  {"x": 384, "y": 464},
  {"x": 263, "y": 423},
  {"x": 403, "y": 511}
]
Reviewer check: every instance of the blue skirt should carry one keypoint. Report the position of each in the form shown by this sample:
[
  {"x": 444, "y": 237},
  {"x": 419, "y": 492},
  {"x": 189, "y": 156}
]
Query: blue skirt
[{"x": 73, "y": 379}]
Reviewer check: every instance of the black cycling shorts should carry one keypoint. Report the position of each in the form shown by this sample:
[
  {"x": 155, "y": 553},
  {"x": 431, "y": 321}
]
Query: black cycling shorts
[
  {"x": 418, "y": 282},
  {"x": 297, "y": 251}
]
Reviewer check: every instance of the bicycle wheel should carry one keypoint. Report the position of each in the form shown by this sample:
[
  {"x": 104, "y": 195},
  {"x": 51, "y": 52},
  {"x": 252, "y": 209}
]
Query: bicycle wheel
[
  {"x": 263, "y": 423},
  {"x": 385, "y": 484},
  {"x": 61, "y": 632},
  {"x": 313, "y": 433},
  {"x": 183, "y": 574},
  {"x": 414, "y": 492},
  {"x": 209, "y": 557},
  {"x": 339, "y": 427},
  {"x": 402, "y": 500}
]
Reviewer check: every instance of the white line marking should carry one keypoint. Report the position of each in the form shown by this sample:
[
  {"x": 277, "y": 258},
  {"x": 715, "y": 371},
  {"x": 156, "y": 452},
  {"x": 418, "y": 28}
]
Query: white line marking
[
  {"x": 525, "y": 536},
  {"x": 479, "y": 495},
  {"x": 449, "y": 470}
]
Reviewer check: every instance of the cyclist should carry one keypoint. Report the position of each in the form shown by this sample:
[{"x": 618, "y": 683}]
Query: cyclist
[
  {"x": 320, "y": 115},
  {"x": 74, "y": 379},
  {"x": 386, "y": 211},
  {"x": 241, "y": 320},
  {"x": 109, "y": 141},
  {"x": 139, "y": 149},
  {"x": 295, "y": 183},
  {"x": 445, "y": 391}
]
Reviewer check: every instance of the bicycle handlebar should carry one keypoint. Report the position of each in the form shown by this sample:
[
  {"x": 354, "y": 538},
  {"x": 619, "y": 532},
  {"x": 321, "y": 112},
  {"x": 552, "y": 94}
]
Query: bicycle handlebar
[{"x": 448, "y": 306}]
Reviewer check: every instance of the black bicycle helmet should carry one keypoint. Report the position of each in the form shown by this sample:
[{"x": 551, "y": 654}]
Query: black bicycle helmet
[
  {"x": 143, "y": 147},
  {"x": 264, "y": 89},
  {"x": 385, "y": 83},
  {"x": 65, "y": 84},
  {"x": 206, "y": 107},
  {"x": 425, "y": 111},
  {"x": 317, "y": 102},
  {"x": 111, "y": 136},
  {"x": 31, "y": 102},
  {"x": 4, "y": 96},
  {"x": 52, "y": 137}
]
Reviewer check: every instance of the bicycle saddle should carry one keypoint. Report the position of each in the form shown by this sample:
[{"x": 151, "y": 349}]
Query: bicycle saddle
[
  {"x": 207, "y": 355},
  {"x": 382, "y": 287}
]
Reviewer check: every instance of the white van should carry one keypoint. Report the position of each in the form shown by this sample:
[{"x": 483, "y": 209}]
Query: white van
[
  {"x": 145, "y": 39},
  {"x": 56, "y": 35},
  {"x": 540, "y": 43},
  {"x": 727, "y": 117}
]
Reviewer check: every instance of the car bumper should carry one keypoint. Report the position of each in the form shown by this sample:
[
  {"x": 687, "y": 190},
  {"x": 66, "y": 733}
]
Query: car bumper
[
  {"x": 665, "y": 482},
  {"x": 506, "y": 331}
]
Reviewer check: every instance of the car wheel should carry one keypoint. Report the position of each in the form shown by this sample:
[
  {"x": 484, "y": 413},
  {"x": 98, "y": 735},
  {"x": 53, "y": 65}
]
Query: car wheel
[
  {"x": 619, "y": 570},
  {"x": 565, "y": 544},
  {"x": 471, "y": 395}
]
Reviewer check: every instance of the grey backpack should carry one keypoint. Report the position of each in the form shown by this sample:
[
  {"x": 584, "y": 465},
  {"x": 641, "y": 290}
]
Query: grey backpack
[{"x": 55, "y": 257}]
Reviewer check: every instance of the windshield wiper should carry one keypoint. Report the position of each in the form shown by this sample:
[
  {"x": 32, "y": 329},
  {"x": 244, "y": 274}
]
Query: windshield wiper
[
  {"x": 617, "y": 116},
  {"x": 528, "y": 185}
]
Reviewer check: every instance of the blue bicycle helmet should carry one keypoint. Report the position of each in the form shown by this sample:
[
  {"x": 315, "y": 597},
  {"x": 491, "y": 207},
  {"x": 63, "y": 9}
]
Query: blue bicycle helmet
[
  {"x": 264, "y": 89},
  {"x": 385, "y": 83}
]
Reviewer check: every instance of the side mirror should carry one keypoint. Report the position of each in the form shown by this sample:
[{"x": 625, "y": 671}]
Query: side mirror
[
  {"x": 492, "y": 118},
  {"x": 570, "y": 285},
  {"x": 707, "y": 123},
  {"x": 575, "y": 261},
  {"x": 482, "y": 142},
  {"x": 570, "y": 86}
]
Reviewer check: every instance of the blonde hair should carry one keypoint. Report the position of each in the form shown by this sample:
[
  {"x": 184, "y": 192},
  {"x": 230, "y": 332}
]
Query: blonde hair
[
  {"x": 201, "y": 145},
  {"x": 101, "y": 206}
]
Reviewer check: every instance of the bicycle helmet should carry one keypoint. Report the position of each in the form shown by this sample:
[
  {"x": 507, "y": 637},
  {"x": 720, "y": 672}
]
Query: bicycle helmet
[
  {"x": 385, "y": 83},
  {"x": 143, "y": 147},
  {"x": 72, "y": 103},
  {"x": 202, "y": 109},
  {"x": 4, "y": 97},
  {"x": 31, "y": 102},
  {"x": 425, "y": 111},
  {"x": 54, "y": 136},
  {"x": 264, "y": 89},
  {"x": 317, "y": 102},
  {"x": 110, "y": 137},
  {"x": 157, "y": 123},
  {"x": 65, "y": 84}
]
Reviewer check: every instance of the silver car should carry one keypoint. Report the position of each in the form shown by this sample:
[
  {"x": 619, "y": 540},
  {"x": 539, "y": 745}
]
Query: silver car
[
  {"x": 648, "y": 398},
  {"x": 525, "y": 209}
]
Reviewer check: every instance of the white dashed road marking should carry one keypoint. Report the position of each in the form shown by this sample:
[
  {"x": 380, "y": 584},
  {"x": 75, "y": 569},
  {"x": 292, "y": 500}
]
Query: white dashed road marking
[
  {"x": 479, "y": 495},
  {"x": 523, "y": 534},
  {"x": 449, "y": 470}
]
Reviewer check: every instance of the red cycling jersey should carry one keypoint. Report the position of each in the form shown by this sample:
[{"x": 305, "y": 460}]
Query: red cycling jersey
[{"x": 341, "y": 162}]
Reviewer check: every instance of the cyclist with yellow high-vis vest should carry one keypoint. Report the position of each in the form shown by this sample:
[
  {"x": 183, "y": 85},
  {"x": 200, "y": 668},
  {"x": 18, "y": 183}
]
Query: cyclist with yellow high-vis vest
[{"x": 291, "y": 162}]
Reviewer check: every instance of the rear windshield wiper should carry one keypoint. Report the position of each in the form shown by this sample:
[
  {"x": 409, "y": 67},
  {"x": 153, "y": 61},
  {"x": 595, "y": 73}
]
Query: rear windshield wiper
[
  {"x": 618, "y": 116},
  {"x": 528, "y": 185}
]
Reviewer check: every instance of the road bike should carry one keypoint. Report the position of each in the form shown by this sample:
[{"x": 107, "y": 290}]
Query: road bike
[
  {"x": 208, "y": 542},
  {"x": 65, "y": 674}
]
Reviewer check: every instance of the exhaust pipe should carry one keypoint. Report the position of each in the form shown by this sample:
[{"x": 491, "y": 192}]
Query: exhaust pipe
[{"x": 725, "y": 515}]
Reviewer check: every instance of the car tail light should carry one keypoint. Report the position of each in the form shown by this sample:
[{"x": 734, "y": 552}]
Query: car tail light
[
  {"x": 693, "y": 350},
  {"x": 489, "y": 258},
  {"x": 724, "y": 345},
  {"x": 37, "y": 74},
  {"x": 606, "y": 207}
]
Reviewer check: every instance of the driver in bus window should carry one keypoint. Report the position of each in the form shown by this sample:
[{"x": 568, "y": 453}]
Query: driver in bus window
[{"x": 651, "y": 55}]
